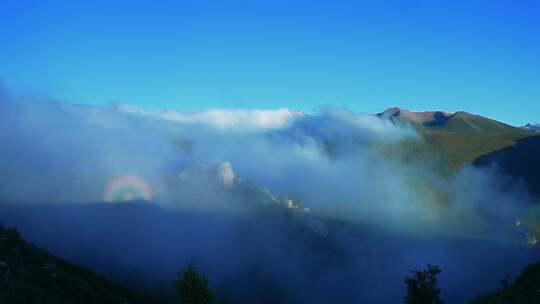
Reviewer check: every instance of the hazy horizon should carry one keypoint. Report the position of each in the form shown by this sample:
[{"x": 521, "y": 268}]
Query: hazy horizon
[{"x": 475, "y": 56}]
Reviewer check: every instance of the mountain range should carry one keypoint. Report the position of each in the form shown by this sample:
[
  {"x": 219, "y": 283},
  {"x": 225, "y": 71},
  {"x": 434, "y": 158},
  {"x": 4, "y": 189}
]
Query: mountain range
[
  {"x": 465, "y": 138},
  {"x": 269, "y": 202}
]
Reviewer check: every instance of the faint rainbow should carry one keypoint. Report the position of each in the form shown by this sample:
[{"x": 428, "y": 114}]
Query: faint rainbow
[{"x": 127, "y": 188}]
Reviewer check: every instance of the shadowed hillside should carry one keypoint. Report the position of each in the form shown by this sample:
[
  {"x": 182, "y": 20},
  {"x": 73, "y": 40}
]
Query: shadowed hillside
[
  {"x": 525, "y": 289},
  {"x": 520, "y": 161},
  {"x": 29, "y": 274},
  {"x": 260, "y": 259}
]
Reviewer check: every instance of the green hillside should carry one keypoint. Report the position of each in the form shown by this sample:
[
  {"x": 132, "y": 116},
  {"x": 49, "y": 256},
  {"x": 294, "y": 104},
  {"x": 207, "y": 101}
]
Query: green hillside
[
  {"x": 460, "y": 149},
  {"x": 457, "y": 139},
  {"x": 31, "y": 275},
  {"x": 463, "y": 122}
]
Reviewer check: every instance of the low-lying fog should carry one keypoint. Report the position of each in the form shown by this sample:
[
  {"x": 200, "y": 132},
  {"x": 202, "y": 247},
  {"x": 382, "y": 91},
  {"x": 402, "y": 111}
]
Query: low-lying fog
[{"x": 272, "y": 205}]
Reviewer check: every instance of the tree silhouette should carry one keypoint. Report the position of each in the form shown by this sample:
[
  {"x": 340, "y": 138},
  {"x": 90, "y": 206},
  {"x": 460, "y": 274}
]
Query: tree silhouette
[
  {"x": 422, "y": 287},
  {"x": 192, "y": 287}
]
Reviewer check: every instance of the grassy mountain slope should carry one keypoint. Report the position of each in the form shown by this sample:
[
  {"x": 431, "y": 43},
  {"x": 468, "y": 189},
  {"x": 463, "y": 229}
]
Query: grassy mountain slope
[
  {"x": 31, "y": 275},
  {"x": 463, "y": 122},
  {"x": 457, "y": 138},
  {"x": 459, "y": 122},
  {"x": 459, "y": 149}
]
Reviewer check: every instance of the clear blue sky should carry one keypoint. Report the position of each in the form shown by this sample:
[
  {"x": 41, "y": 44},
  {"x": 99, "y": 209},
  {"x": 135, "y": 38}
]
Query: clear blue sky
[{"x": 477, "y": 56}]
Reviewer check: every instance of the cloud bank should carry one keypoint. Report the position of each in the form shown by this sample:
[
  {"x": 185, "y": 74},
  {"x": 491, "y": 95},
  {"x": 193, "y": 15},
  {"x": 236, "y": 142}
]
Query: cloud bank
[
  {"x": 232, "y": 119},
  {"x": 327, "y": 197}
]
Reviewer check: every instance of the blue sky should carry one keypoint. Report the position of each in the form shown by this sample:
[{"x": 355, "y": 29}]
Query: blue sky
[{"x": 477, "y": 56}]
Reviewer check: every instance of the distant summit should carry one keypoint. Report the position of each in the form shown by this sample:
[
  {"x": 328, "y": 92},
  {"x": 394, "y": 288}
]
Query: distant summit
[
  {"x": 459, "y": 138},
  {"x": 460, "y": 122},
  {"x": 426, "y": 118}
]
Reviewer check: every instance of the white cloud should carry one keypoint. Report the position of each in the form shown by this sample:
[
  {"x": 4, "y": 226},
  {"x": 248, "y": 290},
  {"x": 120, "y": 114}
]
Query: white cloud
[{"x": 231, "y": 119}]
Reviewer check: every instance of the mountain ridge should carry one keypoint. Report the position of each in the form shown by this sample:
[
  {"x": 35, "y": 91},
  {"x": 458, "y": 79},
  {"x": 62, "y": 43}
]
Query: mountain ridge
[{"x": 442, "y": 121}]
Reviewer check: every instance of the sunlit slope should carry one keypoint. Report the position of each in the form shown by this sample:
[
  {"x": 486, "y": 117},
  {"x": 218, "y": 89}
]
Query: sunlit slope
[
  {"x": 463, "y": 122},
  {"x": 454, "y": 139}
]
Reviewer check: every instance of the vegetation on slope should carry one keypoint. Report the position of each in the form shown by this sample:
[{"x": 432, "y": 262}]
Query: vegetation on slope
[
  {"x": 525, "y": 289},
  {"x": 423, "y": 287},
  {"x": 192, "y": 287},
  {"x": 460, "y": 149},
  {"x": 463, "y": 122},
  {"x": 29, "y": 274},
  {"x": 454, "y": 140}
]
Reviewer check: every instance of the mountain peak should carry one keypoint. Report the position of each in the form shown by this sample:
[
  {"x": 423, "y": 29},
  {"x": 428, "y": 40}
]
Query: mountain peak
[
  {"x": 431, "y": 118},
  {"x": 225, "y": 174},
  {"x": 390, "y": 112},
  {"x": 221, "y": 173},
  {"x": 459, "y": 121}
]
